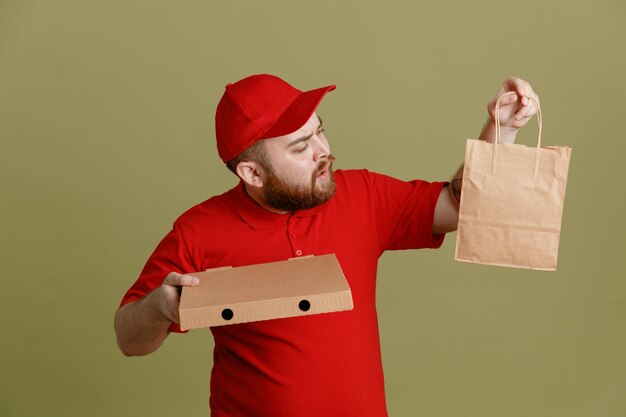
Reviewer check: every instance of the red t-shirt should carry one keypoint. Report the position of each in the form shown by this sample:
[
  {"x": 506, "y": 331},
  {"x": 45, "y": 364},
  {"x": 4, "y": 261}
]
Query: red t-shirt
[{"x": 320, "y": 365}]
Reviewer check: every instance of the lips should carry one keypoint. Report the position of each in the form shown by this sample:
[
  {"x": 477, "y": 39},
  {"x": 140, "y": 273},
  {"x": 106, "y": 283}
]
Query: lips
[
  {"x": 322, "y": 172},
  {"x": 324, "y": 169}
]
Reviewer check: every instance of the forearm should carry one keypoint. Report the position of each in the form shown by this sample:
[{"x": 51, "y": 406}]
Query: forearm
[{"x": 140, "y": 327}]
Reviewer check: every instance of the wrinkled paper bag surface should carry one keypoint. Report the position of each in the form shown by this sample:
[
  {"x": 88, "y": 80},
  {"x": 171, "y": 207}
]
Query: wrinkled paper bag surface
[{"x": 512, "y": 204}]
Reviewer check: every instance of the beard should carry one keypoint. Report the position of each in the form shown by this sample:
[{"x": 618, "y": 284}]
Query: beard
[{"x": 283, "y": 195}]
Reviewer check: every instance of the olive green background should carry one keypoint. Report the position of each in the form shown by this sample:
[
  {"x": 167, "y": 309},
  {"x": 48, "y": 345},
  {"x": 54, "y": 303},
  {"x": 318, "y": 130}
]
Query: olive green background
[{"x": 106, "y": 136}]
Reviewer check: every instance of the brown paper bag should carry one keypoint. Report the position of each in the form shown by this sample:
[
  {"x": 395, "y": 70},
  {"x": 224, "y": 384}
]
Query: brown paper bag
[{"x": 512, "y": 202}]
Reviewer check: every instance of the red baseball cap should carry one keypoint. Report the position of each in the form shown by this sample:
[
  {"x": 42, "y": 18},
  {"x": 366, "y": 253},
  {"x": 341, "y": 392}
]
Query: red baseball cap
[{"x": 259, "y": 107}]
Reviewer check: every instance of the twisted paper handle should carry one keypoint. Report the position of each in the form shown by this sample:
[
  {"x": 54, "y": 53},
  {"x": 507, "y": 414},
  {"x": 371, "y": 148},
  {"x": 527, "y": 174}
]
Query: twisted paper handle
[{"x": 498, "y": 116}]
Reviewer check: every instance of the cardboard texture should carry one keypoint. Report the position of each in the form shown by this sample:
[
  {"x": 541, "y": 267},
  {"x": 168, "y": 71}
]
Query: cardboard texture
[
  {"x": 512, "y": 203},
  {"x": 295, "y": 287}
]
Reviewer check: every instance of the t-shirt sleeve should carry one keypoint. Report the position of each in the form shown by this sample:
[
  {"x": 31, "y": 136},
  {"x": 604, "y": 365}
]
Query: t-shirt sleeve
[
  {"x": 405, "y": 211},
  {"x": 171, "y": 255}
]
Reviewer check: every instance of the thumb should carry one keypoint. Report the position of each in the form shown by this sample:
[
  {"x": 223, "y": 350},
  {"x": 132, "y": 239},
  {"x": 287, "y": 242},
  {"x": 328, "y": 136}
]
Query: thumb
[{"x": 175, "y": 279}]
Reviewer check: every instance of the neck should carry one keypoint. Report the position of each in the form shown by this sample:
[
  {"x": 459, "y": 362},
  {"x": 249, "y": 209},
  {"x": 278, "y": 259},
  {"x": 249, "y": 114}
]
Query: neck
[{"x": 255, "y": 194}]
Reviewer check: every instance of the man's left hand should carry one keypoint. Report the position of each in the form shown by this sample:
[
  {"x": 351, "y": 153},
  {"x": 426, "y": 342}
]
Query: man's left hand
[{"x": 515, "y": 110}]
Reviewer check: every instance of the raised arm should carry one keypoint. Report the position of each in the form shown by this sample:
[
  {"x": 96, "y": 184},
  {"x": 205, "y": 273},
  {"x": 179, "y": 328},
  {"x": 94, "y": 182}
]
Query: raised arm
[{"x": 515, "y": 112}]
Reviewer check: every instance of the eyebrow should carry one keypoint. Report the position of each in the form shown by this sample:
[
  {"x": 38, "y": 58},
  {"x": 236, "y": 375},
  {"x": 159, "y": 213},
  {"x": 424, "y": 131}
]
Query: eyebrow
[{"x": 307, "y": 137}]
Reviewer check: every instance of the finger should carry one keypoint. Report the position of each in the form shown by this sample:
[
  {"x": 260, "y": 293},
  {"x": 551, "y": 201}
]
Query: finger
[
  {"x": 526, "y": 112},
  {"x": 509, "y": 99},
  {"x": 175, "y": 279},
  {"x": 515, "y": 84},
  {"x": 525, "y": 102},
  {"x": 190, "y": 281},
  {"x": 532, "y": 98},
  {"x": 521, "y": 87},
  {"x": 536, "y": 98}
]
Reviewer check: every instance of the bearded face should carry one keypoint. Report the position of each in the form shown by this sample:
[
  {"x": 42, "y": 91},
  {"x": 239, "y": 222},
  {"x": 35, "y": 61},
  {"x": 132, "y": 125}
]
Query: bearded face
[{"x": 287, "y": 194}]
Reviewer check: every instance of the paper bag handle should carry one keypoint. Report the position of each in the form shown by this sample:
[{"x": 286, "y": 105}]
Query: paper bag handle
[{"x": 498, "y": 116}]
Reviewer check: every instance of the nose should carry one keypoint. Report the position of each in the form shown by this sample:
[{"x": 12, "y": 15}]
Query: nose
[{"x": 322, "y": 149}]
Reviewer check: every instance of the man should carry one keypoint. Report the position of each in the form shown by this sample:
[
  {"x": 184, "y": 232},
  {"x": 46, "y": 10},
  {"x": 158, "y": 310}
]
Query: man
[{"x": 290, "y": 203}]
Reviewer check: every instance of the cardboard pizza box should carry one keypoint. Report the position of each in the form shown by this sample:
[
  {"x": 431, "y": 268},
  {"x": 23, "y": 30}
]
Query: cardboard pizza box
[{"x": 290, "y": 288}]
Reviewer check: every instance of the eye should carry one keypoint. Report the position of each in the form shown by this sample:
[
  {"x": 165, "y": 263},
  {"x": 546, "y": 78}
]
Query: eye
[{"x": 301, "y": 149}]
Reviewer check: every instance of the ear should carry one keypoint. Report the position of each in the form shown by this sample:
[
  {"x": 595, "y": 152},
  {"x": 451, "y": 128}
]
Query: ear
[{"x": 251, "y": 173}]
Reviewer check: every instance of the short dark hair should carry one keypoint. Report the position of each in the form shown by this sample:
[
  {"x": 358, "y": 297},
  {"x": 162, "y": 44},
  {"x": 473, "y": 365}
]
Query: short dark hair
[{"x": 255, "y": 153}]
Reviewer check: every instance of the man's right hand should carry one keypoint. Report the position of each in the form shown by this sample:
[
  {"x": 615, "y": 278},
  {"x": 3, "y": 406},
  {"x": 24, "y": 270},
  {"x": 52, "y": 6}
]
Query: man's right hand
[
  {"x": 167, "y": 296},
  {"x": 141, "y": 326}
]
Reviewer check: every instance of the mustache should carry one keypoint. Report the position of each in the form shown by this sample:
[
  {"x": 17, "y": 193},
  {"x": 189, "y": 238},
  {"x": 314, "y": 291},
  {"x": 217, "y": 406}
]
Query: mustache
[{"x": 324, "y": 165}]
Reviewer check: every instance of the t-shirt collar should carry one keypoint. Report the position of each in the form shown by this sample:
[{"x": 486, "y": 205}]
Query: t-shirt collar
[{"x": 258, "y": 217}]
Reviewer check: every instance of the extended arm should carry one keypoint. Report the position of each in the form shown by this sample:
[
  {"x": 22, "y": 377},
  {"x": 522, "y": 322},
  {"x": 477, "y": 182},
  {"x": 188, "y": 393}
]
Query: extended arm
[
  {"x": 515, "y": 112},
  {"x": 142, "y": 326}
]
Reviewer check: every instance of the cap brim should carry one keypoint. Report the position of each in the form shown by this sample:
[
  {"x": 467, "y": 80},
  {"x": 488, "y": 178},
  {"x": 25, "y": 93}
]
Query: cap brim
[{"x": 298, "y": 113}]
